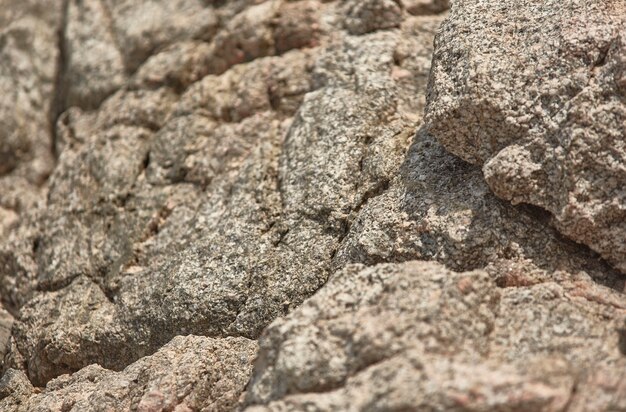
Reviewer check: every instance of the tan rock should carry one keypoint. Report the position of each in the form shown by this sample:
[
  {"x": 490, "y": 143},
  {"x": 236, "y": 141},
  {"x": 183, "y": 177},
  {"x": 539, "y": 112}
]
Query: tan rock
[
  {"x": 188, "y": 373},
  {"x": 415, "y": 336},
  {"x": 530, "y": 91}
]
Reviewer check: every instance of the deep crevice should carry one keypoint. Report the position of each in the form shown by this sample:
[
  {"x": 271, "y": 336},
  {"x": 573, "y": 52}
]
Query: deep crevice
[
  {"x": 621, "y": 344},
  {"x": 57, "y": 106}
]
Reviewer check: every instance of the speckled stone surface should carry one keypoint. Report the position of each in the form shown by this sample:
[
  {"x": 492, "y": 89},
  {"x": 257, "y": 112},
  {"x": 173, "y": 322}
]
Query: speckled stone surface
[
  {"x": 535, "y": 93},
  {"x": 221, "y": 205}
]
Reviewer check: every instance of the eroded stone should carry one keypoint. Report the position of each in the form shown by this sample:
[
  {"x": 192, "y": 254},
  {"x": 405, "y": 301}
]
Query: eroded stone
[{"x": 541, "y": 112}]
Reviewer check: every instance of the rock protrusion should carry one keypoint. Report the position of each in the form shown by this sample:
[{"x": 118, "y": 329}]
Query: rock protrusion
[{"x": 531, "y": 92}]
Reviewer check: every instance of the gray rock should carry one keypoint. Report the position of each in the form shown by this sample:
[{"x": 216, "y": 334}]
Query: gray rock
[
  {"x": 215, "y": 163},
  {"x": 15, "y": 388},
  {"x": 439, "y": 207},
  {"x": 6, "y": 322},
  {"x": 228, "y": 199},
  {"x": 18, "y": 198},
  {"x": 415, "y": 336},
  {"x": 425, "y": 7},
  {"x": 94, "y": 68},
  {"x": 189, "y": 373},
  {"x": 28, "y": 71},
  {"x": 265, "y": 28},
  {"x": 522, "y": 89},
  {"x": 365, "y": 16},
  {"x": 143, "y": 27},
  {"x": 27, "y": 77}
]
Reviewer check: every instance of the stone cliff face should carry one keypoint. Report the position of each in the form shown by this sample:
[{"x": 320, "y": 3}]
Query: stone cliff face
[{"x": 312, "y": 205}]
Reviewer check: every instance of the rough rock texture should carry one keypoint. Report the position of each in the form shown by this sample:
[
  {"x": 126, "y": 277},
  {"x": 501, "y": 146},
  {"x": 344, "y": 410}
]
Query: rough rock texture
[
  {"x": 416, "y": 336},
  {"x": 228, "y": 199},
  {"x": 439, "y": 207},
  {"x": 28, "y": 70},
  {"x": 190, "y": 373},
  {"x": 213, "y": 163},
  {"x": 422, "y": 7},
  {"x": 6, "y": 322},
  {"x": 95, "y": 68},
  {"x": 522, "y": 89}
]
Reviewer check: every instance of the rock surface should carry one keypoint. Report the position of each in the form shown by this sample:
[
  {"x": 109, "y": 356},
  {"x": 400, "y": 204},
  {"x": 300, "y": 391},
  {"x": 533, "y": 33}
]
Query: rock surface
[
  {"x": 188, "y": 374},
  {"x": 228, "y": 199},
  {"x": 28, "y": 73},
  {"x": 540, "y": 103},
  {"x": 6, "y": 322},
  {"x": 209, "y": 165},
  {"x": 415, "y": 336}
]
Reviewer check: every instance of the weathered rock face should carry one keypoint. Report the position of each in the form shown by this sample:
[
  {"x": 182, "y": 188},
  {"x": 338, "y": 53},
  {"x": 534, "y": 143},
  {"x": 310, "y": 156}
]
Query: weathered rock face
[
  {"x": 28, "y": 70},
  {"x": 189, "y": 373},
  {"x": 215, "y": 163},
  {"x": 6, "y": 322},
  {"x": 524, "y": 90},
  {"x": 416, "y": 336},
  {"x": 439, "y": 207},
  {"x": 95, "y": 68},
  {"x": 424, "y": 7},
  {"x": 223, "y": 190}
]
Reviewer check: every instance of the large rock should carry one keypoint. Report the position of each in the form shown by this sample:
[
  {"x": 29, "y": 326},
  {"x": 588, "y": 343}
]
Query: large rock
[
  {"x": 216, "y": 162},
  {"x": 439, "y": 207},
  {"x": 28, "y": 74},
  {"x": 535, "y": 93},
  {"x": 94, "y": 67},
  {"x": 140, "y": 28},
  {"x": 226, "y": 195},
  {"x": 29, "y": 56},
  {"x": 416, "y": 336},
  {"x": 6, "y": 322},
  {"x": 189, "y": 373},
  {"x": 420, "y": 7}
]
